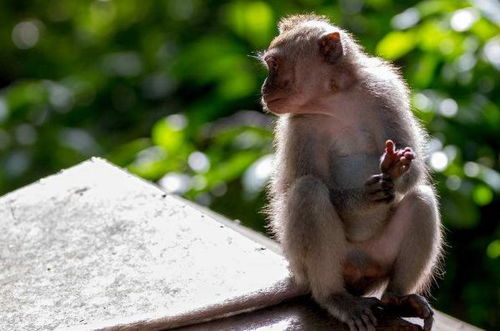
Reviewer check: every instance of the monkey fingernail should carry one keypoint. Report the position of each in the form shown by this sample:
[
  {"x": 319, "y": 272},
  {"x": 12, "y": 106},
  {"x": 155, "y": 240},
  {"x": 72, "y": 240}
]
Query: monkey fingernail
[
  {"x": 389, "y": 144},
  {"x": 409, "y": 154}
]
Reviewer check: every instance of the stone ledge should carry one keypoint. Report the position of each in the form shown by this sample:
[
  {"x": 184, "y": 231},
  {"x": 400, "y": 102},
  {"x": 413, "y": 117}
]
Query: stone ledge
[{"x": 94, "y": 247}]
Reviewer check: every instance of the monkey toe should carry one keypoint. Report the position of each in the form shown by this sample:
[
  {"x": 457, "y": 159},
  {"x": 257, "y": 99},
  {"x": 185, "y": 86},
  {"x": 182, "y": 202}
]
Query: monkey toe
[
  {"x": 361, "y": 322},
  {"x": 422, "y": 309},
  {"x": 417, "y": 305},
  {"x": 360, "y": 316},
  {"x": 412, "y": 305}
]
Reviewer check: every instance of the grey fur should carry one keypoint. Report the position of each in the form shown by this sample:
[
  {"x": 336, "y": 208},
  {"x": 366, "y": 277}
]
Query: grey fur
[{"x": 326, "y": 150}]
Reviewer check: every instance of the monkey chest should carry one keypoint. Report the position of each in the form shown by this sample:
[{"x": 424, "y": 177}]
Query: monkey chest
[{"x": 352, "y": 171}]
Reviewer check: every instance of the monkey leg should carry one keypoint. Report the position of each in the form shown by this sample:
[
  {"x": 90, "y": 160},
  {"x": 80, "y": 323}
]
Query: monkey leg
[
  {"x": 417, "y": 219},
  {"x": 315, "y": 244},
  {"x": 313, "y": 236}
]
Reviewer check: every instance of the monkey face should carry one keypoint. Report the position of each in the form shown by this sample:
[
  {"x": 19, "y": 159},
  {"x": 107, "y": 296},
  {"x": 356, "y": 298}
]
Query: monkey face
[
  {"x": 277, "y": 87},
  {"x": 301, "y": 63}
]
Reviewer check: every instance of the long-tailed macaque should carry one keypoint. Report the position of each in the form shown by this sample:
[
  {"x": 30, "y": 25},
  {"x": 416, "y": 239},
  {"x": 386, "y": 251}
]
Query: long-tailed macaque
[{"x": 351, "y": 202}]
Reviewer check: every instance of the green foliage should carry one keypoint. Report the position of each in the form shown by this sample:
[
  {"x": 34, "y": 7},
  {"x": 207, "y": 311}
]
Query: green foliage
[{"x": 164, "y": 87}]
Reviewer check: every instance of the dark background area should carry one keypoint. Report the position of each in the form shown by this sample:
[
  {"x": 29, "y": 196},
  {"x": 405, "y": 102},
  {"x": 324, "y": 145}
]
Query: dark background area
[{"x": 170, "y": 90}]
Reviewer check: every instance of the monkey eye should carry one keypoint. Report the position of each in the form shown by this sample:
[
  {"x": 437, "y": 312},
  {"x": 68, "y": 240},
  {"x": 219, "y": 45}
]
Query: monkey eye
[{"x": 272, "y": 63}]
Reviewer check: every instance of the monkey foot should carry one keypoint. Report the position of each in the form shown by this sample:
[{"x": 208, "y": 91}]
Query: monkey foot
[
  {"x": 358, "y": 312},
  {"x": 412, "y": 305}
]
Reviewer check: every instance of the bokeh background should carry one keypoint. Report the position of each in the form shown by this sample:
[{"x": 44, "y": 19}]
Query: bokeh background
[{"x": 170, "y": 90}]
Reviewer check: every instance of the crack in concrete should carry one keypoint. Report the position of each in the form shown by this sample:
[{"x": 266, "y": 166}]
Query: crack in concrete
[{"x": 11, "y": 210}]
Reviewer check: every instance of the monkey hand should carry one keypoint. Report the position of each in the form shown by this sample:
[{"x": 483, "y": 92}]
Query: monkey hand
[
  {"x": 396, "y": 162},
  {"x": 380, "y": 188}
]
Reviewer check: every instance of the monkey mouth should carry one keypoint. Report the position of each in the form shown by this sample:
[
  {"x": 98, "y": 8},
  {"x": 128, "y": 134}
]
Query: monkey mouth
[{"x": 270, "y": 101}]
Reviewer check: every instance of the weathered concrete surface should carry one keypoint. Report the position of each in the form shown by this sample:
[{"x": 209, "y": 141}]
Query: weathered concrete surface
[{"x": 96, "y": 247}]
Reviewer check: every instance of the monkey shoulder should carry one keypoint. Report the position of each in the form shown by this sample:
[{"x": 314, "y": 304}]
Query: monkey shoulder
[{"x": 382, "y": 81}]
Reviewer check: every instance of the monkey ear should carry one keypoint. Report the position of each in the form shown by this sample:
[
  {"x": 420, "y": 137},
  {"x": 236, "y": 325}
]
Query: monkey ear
[{"x": 330, "y": 46}]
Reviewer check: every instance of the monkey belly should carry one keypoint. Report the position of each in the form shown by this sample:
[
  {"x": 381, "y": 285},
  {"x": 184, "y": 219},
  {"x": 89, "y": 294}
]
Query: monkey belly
[
  {"x": 361, "y": 273},
  {"x": 361, "y": 225}
]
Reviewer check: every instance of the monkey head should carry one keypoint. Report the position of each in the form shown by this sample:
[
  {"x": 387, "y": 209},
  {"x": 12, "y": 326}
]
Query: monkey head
[{"x": 306, "y": 63}]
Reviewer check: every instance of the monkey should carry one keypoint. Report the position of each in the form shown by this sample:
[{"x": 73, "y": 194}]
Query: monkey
[{"x": 350, "y": 198}]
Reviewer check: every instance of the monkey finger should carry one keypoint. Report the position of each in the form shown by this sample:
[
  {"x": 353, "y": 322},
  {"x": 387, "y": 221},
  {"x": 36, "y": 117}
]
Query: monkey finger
[
  {"x": 404, "y": 161},
  {"x": 387, "y": 184},
  {"x": 389, "y": 146},
  {"x": 385, "y": 160},
  {"x": 382, "y": 196},
  {"x": 373, "y": 179},
  {"x": 409, "y": 155},
  {"x": 388, "y": 161},
  {"x": 377, "y": 192}
]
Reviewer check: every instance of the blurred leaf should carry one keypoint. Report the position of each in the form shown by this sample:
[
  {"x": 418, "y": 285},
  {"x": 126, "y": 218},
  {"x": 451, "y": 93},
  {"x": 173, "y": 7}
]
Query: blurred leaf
[
  {"x": 485, "y": 30},
  {"x": 252, "y": 20},
  {"x": 231, "y": 168},
  {"x": 433, "y": 7},
  {"x": 493, "y": 249},
  {"x": 482, "y": 195},
  {"x": 424, "y": 71},
  {"x": 166, "y": 135},
  {"x": 126, "y": 153},
  {"x": 237, "y": 85},
  {"x": 459, "y": 213},
  {"x": 396, "y": 44}
]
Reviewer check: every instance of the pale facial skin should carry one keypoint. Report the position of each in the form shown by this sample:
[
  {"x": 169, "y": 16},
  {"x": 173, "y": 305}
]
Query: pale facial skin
[{"x": 351, "y": 210}]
